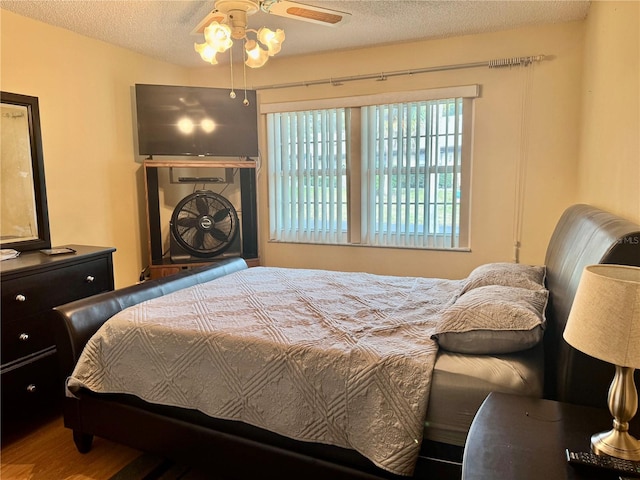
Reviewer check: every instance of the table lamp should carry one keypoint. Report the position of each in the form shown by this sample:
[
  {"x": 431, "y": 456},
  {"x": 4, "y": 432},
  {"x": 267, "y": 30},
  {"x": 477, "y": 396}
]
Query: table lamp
[{"x": 604, "y": 323}]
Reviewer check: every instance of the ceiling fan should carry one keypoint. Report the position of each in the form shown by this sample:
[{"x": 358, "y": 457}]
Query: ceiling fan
[
  {"x": 283, "y": 8},
  {"x": 228, "y": 22}
]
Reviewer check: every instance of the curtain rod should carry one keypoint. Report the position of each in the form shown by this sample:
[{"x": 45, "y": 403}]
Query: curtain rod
[{"x": 337, "y": 81}]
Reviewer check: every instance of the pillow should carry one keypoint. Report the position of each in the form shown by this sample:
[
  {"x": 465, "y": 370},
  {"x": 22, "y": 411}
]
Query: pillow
[
  {"x": 506, "y": 274},
  {"x": 493, "y": 320}
]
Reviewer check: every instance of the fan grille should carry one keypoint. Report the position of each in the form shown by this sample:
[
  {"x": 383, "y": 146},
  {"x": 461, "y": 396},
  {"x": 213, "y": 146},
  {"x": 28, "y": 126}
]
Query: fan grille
[{"x": 204, "y": 224}]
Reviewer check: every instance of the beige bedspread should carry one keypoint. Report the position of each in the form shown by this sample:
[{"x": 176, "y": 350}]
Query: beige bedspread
[{"x": 338, "y": 358}]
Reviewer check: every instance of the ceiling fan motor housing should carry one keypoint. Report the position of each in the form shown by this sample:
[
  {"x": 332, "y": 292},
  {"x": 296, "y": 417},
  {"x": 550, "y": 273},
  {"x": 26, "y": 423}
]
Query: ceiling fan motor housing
[{"x": 237, "y": 12}]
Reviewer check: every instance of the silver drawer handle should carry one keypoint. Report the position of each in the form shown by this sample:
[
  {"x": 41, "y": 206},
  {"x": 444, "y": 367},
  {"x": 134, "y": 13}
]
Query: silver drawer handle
[
  {"x": 24, "y": 337},
  {"x": 90, "y": 278},
  {"x": 31, "y": 388},
  {"x": 21, "y": 298}
]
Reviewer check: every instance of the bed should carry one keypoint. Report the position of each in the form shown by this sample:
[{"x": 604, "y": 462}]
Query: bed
[{"x": 427, "y": 398}]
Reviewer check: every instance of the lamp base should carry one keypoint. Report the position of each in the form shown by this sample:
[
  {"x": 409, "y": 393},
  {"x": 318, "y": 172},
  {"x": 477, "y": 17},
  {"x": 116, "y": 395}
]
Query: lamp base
[{"x": 616, "y": 443}]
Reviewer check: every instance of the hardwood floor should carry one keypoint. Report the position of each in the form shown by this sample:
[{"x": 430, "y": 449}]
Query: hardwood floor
[{"x": 48, "y": 453}]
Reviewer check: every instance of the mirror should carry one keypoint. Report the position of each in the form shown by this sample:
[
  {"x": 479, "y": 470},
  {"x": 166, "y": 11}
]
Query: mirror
[{"x": 24, "y": 219}]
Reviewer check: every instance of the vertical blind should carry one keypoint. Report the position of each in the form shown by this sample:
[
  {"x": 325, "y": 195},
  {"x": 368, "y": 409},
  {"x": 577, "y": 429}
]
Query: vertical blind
[
  {"x": 411, "y": 166},
  {"x": 409, "y": 175},
  {"x": 308, "y": 176}
]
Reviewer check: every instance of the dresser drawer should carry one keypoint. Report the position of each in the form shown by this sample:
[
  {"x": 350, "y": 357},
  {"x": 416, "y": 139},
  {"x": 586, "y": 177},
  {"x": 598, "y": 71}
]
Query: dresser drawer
[
  {"x": 26, "y": 336},
  {"x": 42, "y": 291},
  {"x": 32, "y": 284},
  {"x": 32, "y": 388}
]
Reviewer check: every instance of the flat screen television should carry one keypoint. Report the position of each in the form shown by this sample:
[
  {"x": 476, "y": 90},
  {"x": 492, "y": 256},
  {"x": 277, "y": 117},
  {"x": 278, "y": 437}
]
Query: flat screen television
[{"x": 178, "y": 120}]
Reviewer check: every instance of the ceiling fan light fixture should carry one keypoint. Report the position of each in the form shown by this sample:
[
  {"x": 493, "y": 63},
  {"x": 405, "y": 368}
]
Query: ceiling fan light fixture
[
  {"x": 229, "y": 22},
  {"x": 272, "y": 40},
  {"x": 218, "y": 36},
  {"x": 232, "y": 15},
  {"x": 207, "y": 53},
  {"x": 256, "y": 55}
]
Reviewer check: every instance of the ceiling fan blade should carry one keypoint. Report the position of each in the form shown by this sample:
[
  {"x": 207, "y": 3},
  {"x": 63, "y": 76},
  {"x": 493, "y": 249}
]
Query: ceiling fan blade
[
  {"x": 307, "y": 13},
  {"x": 221, "y": 215},
  {"x": 213, "y": 16}
]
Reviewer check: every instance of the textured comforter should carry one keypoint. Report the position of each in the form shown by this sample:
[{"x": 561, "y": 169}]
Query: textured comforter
[{"x": 330, "y": 357}]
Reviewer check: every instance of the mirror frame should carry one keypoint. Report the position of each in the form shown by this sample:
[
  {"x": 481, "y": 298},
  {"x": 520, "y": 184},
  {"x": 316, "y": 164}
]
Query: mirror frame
[{"x": 37, "y": 167}]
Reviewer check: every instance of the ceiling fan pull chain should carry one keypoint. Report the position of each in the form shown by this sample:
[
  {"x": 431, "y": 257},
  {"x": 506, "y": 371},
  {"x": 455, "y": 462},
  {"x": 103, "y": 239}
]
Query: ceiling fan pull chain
[
  {"x": 245, "y": 102},
  {"x": 232, "y": 94}
]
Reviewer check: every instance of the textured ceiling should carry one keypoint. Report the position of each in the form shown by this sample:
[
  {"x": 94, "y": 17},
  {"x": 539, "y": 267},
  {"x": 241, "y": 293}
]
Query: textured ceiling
[{"x": 161, "y": 29}]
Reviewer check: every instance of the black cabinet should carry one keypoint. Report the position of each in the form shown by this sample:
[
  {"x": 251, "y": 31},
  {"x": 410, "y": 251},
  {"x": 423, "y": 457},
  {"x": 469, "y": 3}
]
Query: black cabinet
[
  {"x": 159, "y": 264},
  {"x": 32, "y": 284}
]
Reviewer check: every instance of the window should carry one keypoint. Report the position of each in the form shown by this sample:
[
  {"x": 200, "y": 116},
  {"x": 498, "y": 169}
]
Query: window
[
  {"x": 380, "y": 174},
  {"x": 308, "y": 176}
]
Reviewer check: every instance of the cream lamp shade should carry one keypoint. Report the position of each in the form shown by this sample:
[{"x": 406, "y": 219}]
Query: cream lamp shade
[
  {"x": 604, "y": 323},
  {"x": 605, "y": 317}
]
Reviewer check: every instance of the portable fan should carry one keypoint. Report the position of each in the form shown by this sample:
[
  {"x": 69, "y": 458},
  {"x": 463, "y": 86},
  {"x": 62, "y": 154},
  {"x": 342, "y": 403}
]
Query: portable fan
[{"x": 204, "y": 224}]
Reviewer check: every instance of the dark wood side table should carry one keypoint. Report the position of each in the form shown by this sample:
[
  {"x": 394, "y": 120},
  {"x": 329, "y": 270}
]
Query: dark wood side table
[{"x": 521, "y": 438}]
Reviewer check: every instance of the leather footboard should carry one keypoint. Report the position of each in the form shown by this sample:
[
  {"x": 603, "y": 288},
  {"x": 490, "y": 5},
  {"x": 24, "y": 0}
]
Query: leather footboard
[{"x": 216, "y": 446}]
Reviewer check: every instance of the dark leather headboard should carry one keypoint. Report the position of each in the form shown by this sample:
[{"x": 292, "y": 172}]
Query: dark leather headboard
[{"x": 583, "y": 236}]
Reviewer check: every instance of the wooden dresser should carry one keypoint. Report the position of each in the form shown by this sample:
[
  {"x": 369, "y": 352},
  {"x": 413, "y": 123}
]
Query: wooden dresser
[{"x": 32, "y": 284}]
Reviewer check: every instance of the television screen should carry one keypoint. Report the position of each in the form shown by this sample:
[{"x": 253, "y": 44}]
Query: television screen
[{"x": 176, "y": 120}]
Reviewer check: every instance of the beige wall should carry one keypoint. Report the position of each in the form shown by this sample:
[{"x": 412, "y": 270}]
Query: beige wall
[
  {"x": 547, "y": 148},
  {"x": 93, "y": 178},
  {"x": 609, "y": 168},
  {"x": 84, "y": 86}
]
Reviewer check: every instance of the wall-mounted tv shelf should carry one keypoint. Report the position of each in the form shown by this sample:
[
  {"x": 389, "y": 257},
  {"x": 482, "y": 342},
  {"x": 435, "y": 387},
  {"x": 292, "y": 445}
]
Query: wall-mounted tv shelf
[{"x": 159, "y": 266}]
